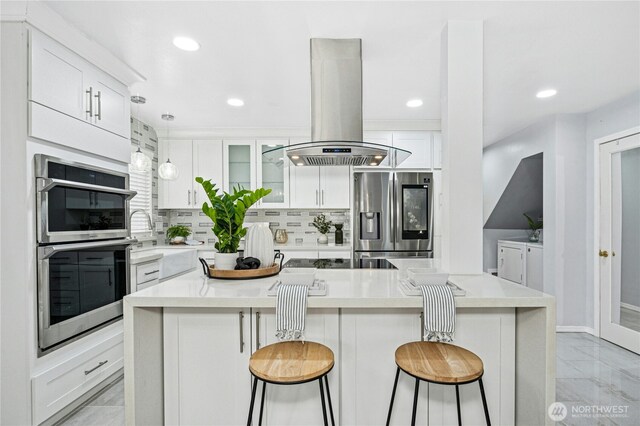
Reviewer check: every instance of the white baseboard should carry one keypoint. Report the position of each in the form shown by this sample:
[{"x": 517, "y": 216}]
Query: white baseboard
[
  {"x": 575, "y": 329},
  {"x": 630, "y": 306}
]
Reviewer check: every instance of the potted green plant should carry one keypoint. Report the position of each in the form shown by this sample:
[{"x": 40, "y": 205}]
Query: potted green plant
[
  {"x": 323, "y": 226},
  {"x": 178, "y": 233},
  {"x": 535, "y": 226},
  {"x": 227, "y": 211}
]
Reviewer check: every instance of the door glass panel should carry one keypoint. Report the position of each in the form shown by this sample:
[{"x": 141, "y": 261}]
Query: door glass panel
[
  {"x": 273, "y": 175},
  {"x": 83, "y": 280},
  {"x": 239, "y": 166},
  {"x": 414, "y": 208},
  {"x": 625, "y": 234}
]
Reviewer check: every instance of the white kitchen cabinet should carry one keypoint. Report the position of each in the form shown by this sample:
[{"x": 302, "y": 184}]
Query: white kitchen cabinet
[
  {"x": 534, "y": 267},
  {"x": 144, "y": 275},
  {"x": 193, "y": 159},
  {"x": 380, "y": 137},
  {"x": 273, "y": 175},
  {"x": 511, "y": 261},
  {"x": 206, "y": 366},
  {"x": 367, "y": 381},
  {"x": 334, "y": 187},
  {"x": 304, "y": 187},
  {"x": 437, "y": 150},
  {"x": 239, "y": 164},
  {"x": 299, "y": 404},
  {"x": 419, "y": 144},
  {"x": 71, "y": 101},
  {"x": 298, "y": 254}
]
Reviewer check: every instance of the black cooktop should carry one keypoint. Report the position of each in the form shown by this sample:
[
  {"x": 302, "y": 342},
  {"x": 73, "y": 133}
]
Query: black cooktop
[{"x": 339, "y": 264}]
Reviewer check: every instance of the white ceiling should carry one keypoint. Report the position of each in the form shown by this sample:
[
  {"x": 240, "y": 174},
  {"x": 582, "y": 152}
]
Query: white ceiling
[{"x": 259, "y": 51}]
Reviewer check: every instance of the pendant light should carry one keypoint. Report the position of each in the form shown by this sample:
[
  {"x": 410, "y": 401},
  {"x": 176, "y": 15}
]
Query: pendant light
[
  {"x": 168, "y": 170},
  {"x": 139, "y": 161}
]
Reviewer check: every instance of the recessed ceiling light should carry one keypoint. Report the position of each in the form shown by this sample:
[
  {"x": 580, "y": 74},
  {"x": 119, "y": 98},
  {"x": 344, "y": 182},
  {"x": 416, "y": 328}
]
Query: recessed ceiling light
[
  {"x": 414, "y": 103},
  {"x": 547, "y": 93},
  {"x": 235, "y": 102},
  {"x": 186, "y": 43}
]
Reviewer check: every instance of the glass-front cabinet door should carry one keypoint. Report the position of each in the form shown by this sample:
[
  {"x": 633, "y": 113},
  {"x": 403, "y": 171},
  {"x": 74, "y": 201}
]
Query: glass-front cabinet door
[
  {"x": 273, "y": 173},
  {"x": 240, "y": 164}
]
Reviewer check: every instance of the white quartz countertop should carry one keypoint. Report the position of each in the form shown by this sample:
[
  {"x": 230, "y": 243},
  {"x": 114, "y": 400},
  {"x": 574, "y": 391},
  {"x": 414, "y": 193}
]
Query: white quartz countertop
[{"x": 346, "y": 288}]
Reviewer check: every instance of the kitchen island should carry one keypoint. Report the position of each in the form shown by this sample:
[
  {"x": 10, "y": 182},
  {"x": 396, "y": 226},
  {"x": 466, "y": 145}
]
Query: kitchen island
[{"x": 188, "y": 342}]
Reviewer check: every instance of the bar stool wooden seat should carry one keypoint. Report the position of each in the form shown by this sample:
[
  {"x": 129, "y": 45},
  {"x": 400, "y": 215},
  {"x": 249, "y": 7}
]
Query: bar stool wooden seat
[
  {"x": 291, "y": 363},
  {"x": 440, "y": 363}
]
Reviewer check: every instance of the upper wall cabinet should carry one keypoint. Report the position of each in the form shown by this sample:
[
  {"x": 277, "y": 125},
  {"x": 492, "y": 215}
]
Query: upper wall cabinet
[
  {"x": 273, "y": 176},
  {"x": 193, "y": 159},
  {"x": 73, "y": 103},
  {"x": 239, "y": 164},
  {"x": 425, "y": 148}
]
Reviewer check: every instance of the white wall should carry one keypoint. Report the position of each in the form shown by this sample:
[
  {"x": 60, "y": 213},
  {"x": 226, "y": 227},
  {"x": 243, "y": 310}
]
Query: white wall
[{"x": 615, "y": 117}]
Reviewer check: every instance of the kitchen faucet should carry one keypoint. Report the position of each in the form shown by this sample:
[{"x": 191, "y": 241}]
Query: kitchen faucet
[{"x": 146, "y": 214}]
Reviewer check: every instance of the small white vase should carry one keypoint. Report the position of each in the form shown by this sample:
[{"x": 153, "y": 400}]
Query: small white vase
[
  {"x": 258, "y": 243},
  {"x": 323, "y": 239},
  {"x": 177, "y": 240},
  {"x": 226, "y": 261}
]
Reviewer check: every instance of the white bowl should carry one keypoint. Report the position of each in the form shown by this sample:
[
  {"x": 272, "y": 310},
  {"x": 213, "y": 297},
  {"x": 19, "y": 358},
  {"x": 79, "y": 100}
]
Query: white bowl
[
  {"x": 427, "y": 276},
  {"x": 300, "y": 276}
]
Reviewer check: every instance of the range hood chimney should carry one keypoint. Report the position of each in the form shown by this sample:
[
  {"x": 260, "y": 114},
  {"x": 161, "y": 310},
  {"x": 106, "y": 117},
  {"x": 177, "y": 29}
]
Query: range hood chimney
[
  {"x": 336, "y": 112},
  {"x": 336, "y": 90}
]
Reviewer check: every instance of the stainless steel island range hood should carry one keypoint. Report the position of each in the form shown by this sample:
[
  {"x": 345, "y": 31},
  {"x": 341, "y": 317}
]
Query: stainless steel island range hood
[{"x": 336, "y": 112}]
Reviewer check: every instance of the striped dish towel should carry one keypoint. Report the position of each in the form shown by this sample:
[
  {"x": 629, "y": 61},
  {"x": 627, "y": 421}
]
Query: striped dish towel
[
  {"x": 291, "y": 311},
  {"x": 439, "y": 308}
]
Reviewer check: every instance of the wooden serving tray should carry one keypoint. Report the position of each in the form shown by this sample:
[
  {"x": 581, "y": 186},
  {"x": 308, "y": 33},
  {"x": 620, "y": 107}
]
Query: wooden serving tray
[{"x": 243, "y": 274}]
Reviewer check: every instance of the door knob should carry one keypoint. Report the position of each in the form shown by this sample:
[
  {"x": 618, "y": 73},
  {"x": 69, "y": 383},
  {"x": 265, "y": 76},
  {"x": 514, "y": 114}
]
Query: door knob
[{"x": 604, "y": 253}]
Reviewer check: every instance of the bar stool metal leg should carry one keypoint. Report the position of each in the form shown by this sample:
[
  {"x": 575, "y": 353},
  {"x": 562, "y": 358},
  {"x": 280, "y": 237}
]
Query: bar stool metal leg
[
  {"x": 393, "y": 395},
  {"x": 324, "y": 408},
  {"x": 264, "y": 391},
  {"x": 458, "y": 405},
  {"x": 253, "y": 398},
  {"x": 415, "y": 402},
  {"x": 326, "y": 382},
  {"x": 484, "y": 403}
]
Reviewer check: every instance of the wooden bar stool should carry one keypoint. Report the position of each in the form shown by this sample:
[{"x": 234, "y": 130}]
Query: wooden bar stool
[
  {"x": 291, "y": 363},
  {"x": 440, "y": 363}
]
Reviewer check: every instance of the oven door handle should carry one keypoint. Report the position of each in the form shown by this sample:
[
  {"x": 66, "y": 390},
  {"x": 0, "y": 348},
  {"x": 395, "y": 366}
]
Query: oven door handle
[
  {"x": 48, "y": 251},
  {"x": 47, "y": 184}
]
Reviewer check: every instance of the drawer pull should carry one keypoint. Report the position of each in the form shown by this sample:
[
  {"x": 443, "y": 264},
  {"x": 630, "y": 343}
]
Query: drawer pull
[
  {"x": 100, "y": 364},
  {"x": 152, "y": 272}
]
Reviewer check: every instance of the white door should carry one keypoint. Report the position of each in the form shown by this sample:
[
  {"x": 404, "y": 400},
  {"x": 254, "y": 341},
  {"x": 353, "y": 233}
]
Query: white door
[
  {"x": 334, "y": 187},
  {"x": 207, "y": 164},
  {"x": 300, "y": 404},
  {"x": 239, "y": 164},
  {"x": 111, "y": 104},
  {"x": 304, "y": 187},
  {"x": 534, "y": 267},
  {"x": 273, "y": 173},
  {"x": 620, "y": 242},
  {"x": 176, "y": 194},
  {"x": 206, "y": 366},
  {"x": 511, "y": 263},
  {"x": 58, "y": 78},
  {"x": 419, "y": 144}
]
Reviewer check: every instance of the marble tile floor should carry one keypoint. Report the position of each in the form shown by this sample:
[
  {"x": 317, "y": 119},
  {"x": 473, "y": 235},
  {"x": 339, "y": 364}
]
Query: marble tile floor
[{"x": 592, "y": 374}]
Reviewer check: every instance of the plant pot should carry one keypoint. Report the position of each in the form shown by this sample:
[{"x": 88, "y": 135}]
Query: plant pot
[
  {"x": 177, "y": 240},
  {"x": 323, "y": 239},
  {"x": 534, "y": 236},
  {"x": 225, "y": 261}
]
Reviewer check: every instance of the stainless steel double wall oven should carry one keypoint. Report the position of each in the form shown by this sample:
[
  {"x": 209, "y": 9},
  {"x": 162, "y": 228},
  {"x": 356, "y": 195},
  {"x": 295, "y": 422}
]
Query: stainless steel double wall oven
[{"x": 83, "y": 233}]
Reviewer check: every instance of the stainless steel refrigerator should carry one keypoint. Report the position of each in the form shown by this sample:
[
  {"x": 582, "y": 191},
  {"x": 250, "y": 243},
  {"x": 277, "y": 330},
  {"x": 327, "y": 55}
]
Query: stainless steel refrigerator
[{"x": 393, "y": 214}]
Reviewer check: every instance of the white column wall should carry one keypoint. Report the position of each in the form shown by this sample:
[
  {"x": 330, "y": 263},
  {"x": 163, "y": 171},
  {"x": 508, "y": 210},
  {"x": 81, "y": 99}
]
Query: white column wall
[{"x": 462, "y": 136}]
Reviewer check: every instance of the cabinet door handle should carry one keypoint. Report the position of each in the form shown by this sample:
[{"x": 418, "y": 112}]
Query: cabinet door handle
[
  {"x": 257, "y": 330},
  {"x": 317, "y": 200},
  {"x": 99, "y": 113},
  {"x": 241, "y": 318},
  {"x": 195, "y": 197},
  {"x": 421, "y": 326},
  {"x": 322, "y": 197},
  {"x": 152, "y": 272},
  {"x": 188, "y": 197},
  {"x": 100, "y": 364},
  {"x": 90, "y": 93}
]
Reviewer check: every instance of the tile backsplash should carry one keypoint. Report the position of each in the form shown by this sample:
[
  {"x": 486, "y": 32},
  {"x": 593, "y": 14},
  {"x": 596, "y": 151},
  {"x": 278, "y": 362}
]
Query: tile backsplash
[{"x": 298, "y": 223}]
